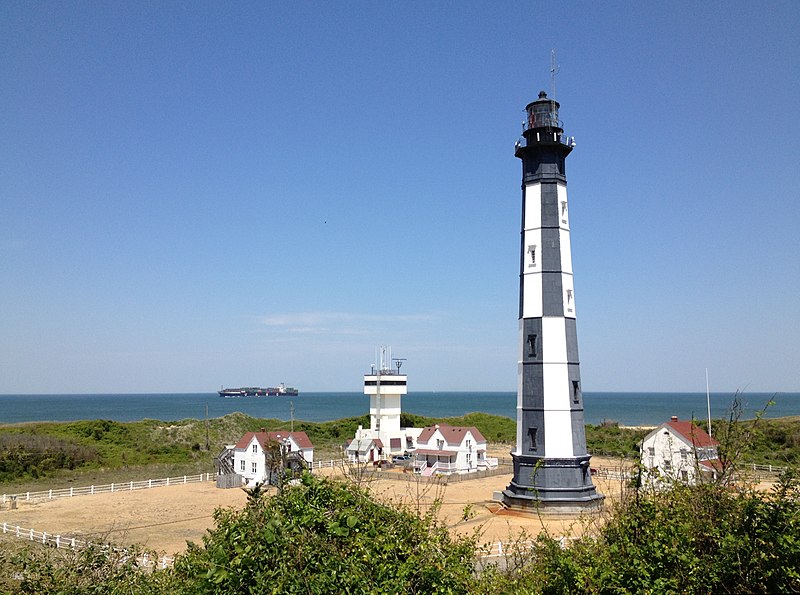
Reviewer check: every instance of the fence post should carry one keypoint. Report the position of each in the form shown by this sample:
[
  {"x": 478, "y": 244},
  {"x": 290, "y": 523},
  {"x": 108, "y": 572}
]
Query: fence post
[
  {"x": 71, "y": 492},
  {"x": 50, "y": 494},
  {"x": 28, "y": 496},
  {"x": 499, "y": 548},
  {"x": 112, "y": 487},
  {"x": 72, "y": 543},
  {"x": 44, "y": 536},
  {"x": 149, "y": 483},
  {"x": 92, "y": 490},
  {"x": 58, "y": 541},
  {"x": 131, "y": 487},
  {"x": 167, "y": 481},
  {"x": 184, "y": 480}
]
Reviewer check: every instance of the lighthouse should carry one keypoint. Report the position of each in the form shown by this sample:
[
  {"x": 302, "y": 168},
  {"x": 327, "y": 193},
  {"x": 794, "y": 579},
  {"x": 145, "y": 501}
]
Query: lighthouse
[{"x": 551, "y": 465}]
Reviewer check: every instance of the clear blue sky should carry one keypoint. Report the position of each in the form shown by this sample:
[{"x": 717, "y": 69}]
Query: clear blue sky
[{"x": 197, "y": 194}]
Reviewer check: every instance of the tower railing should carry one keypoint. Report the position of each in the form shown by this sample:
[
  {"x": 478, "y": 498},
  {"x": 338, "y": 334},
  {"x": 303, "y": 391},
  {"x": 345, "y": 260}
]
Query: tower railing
[{"x": 563, "y": 139}]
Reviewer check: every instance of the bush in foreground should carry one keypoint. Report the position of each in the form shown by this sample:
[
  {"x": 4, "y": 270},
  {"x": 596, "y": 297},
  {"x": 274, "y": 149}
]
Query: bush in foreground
[{"x": 329, "y": 537}]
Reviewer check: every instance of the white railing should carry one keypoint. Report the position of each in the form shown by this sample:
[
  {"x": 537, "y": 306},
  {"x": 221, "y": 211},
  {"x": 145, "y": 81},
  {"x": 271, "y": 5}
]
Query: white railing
[
  {"x": 446, "y": 466},
  {"x": 617, "y": 474},
  {"x": 123, "y": 486},
  {"x": 331, "y": 464},
  {"x": 488, "y": 462},
  {"x": 500, "y": 548},
  {"x": 767, "y": 468},
  {"x": 60, "y": 541}
]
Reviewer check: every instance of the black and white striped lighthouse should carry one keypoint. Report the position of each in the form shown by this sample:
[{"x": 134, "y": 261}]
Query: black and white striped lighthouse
[{"x": 551, "y": 465}]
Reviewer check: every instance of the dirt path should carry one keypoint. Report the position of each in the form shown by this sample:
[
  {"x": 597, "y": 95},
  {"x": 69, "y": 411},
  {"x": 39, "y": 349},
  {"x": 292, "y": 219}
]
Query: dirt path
[
  {"x": 162, "y": 518},
  {"x": 165, "y": 518}
]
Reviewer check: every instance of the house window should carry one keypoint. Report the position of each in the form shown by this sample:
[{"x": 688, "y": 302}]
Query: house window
[
  {"x": 255, "y": 448},
  {"x": 532, "y": 435},
  {"x": 532, "y": 252},
  {"x": 684, "y": 454},
  {"x": 254, "y": 467},
  {"x": 651, "y": 450},
  {"x": 685, "y": 475},
  {"x": 469, "y": 459},
  {"x": 576, "y": 391},
  {"x": 409, "y": 442},
  {"x": 667, "y": 465},
  {"x": 532, "y": 345},
  {"x": 241, "y": 465},
  {"x": 439, "y": 444},
  {"x": 469, "y": 443}
]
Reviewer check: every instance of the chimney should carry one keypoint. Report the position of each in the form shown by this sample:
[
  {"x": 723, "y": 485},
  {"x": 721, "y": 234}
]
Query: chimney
[
  {"x": 674, "y": 418},
  {"x": 263, "y": 431}
]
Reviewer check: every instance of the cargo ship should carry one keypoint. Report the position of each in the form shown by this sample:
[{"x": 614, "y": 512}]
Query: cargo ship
[{"x": 256, "y": 391}]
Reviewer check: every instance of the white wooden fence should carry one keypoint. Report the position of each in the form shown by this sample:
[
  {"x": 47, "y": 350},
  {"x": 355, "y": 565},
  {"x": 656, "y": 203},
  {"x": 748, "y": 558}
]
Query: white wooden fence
[
  {"x": 501, "y": 548},
  {"x": 61, "y": 541},
  {"x": 123, "y": 486}
]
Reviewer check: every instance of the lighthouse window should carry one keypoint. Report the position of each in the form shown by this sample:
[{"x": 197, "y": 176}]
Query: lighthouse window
[
  {"x": 532, "y": 252},
  {"x": 563, "y": 211},
  {"x": 569, "y": 300},
  {"x": 532, "y": 435},
  {"x": 532, "y": 345},
  {"x": 576, "y": 391}
]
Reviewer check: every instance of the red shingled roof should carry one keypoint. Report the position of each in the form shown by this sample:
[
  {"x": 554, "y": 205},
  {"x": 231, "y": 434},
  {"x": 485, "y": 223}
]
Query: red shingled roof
[
  {"x": 300, "y": 438},
  {"x": 695, "y": 435},
  {"x": 451, "y": 434}
]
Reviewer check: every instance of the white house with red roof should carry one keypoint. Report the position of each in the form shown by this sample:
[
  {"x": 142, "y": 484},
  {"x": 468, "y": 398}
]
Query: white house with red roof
[
  {"x": 679, "y": 450},
  {"x": 251, "y": 453},
  {"x": 446, "y": 449}
]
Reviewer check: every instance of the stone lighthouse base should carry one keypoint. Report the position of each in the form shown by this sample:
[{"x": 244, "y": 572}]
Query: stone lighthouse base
[{"x": 551, "y": 486}]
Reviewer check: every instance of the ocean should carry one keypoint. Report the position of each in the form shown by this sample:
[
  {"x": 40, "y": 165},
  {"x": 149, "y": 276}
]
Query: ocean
[{"x": 627, "y": 408}]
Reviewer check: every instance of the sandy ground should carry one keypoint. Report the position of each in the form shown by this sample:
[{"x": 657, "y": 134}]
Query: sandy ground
[{"x": 165, "y": 518}]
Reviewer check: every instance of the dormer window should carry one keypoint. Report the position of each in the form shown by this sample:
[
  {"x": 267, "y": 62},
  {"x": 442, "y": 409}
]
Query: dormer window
[
  {"x": 255, "y": 448},
  {"x": 439, "y": 444}
]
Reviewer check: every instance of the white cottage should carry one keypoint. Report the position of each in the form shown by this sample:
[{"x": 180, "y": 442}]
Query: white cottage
[
  {"x": 449, "y": 449},
  {"x": 365, "y": 449},
  {"x": 251, "y": 453},
  {"x": 679, "y": 450}
]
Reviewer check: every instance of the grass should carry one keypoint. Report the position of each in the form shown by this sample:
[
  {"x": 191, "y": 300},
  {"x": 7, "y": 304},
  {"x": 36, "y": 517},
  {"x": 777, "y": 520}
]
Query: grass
[{"x": 117, "y": 451}]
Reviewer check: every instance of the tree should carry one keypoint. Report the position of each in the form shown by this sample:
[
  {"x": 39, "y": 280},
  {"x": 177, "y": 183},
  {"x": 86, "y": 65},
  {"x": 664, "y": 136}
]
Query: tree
[{"x": 326, "y": 537}]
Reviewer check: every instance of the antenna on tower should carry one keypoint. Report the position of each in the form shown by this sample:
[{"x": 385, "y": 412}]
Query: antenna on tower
[{"x": 553, "y": 73}]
